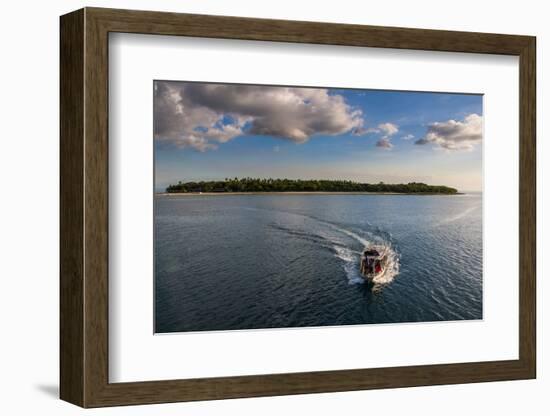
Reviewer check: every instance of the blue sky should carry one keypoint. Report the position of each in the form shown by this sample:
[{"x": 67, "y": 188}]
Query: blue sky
[{"x": 214, "y": 131}]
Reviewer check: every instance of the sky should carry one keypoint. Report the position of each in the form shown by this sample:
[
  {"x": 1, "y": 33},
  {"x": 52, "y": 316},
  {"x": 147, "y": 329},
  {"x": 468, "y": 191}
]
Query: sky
[{"x": 212, "y": 131}]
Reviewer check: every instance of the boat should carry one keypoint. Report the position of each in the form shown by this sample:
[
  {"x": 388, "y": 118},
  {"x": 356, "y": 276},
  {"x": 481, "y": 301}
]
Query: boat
[{"x": 374, "y": 262}]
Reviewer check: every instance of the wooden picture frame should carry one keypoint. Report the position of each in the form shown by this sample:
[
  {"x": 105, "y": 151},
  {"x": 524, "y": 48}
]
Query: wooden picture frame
[{"x": 84, "y": 207}]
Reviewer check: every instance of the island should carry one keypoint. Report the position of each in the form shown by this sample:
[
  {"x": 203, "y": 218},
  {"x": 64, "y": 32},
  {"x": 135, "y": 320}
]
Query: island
[{"x": 257, "y": 185}]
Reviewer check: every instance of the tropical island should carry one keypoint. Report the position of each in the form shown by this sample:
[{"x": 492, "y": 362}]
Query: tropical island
[{"x": 254, "y": 185}]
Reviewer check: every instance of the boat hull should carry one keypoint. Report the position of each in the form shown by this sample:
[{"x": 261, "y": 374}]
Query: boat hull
[{"x": 368, "y": 275}]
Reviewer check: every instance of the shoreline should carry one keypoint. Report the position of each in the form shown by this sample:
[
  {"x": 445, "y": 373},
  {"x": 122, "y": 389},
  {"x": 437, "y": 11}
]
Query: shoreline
[{"x": 301, "y": 193}]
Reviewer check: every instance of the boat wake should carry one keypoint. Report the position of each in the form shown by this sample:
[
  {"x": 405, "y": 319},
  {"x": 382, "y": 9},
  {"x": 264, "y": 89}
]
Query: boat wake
[
  {"x": 352, "y": 258},
  {"x": 347, "y": 246},
  {"x": 458, "y": 216}
]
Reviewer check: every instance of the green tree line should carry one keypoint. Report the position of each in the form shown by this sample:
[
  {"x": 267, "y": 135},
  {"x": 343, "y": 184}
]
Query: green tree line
[{"x": 304, "y": 185}]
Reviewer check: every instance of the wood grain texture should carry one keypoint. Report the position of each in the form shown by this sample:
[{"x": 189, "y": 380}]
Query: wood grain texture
[
  {"x": 84, "y": 207},
  {"x": 162, "y": 23},
  {"x": 71, "y": 208},
  {"x": 527, "y": 208},
  {"x": 96, "y": 208}
]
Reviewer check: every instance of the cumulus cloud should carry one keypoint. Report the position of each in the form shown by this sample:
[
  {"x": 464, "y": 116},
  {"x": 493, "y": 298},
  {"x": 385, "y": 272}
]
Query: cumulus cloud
[
  {"x": 201, "y": 116},
  {"x": 408, "y": 137},
  {"x": 361, "y": 131},
  {"x": 387, "y": 130},
  {"x": 384, "y": 143},
  {"x": 454, "y": 135}
]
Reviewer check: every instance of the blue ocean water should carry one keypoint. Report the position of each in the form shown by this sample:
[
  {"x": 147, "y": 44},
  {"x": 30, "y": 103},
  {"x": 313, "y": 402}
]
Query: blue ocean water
[{"x": 227, "y": 262}]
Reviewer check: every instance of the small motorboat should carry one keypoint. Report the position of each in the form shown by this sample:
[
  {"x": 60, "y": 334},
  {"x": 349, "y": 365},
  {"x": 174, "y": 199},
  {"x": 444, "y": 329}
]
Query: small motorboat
[{"x": 374, "y": 262}]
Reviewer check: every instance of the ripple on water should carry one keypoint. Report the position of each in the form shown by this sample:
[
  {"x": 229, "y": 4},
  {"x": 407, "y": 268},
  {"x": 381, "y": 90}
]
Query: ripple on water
[{"x": 276, "y": 261}]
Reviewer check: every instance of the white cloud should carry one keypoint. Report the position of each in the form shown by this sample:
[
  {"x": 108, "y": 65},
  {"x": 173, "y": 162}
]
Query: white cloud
[
  {"x": 196, "y": 142},
  {"x": 200, "y": 115},
  {"x": 389, "y": 129},
  {"x": 455, "y": 135},
  {"x": 384, "y": 143},
  {"x": 408, "y": 137},
  {"x": 361, "y": 131}
]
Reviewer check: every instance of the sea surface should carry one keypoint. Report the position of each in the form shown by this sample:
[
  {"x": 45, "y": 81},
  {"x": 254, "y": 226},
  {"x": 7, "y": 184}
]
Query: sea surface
[{"x": 228, "y": 262}]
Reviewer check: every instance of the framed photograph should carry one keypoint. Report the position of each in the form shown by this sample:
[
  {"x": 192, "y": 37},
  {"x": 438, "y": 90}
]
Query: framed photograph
[{"x": 262, "y": 207}]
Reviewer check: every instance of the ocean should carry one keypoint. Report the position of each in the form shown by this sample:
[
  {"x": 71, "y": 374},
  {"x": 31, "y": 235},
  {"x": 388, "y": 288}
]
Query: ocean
[{"x": 227, "y": 262}]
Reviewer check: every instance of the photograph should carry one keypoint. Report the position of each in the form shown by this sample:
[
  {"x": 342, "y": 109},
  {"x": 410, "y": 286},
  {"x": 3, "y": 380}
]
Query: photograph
[{"x": 282, "y": 206}]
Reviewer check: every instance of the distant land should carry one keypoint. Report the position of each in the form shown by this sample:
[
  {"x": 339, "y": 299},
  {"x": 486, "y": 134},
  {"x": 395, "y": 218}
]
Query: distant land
[{"x": 254, "y": 185}]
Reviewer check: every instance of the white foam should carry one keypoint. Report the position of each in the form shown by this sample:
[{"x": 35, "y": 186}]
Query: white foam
[
  {"x": 351, "y": 263},
  {"x": 458, "y": 216},
  {"x": 351, "y": 234},
  {"x": 352, "y": 260},
  {"x": 391, "y": 270}
]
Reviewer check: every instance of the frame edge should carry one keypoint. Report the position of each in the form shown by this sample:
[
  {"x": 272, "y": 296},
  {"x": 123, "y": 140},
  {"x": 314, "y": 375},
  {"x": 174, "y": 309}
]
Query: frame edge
[
  {"x": 71, "y": 290},
  {"x": 528, "y": 208}
]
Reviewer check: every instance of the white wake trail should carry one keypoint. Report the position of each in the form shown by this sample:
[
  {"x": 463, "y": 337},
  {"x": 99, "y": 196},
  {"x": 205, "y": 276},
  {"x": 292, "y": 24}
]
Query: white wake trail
[
  {"x": 352, "y": 259},
  {"x": 360, "y": 239},
  {"x": 457, "y": 216}
]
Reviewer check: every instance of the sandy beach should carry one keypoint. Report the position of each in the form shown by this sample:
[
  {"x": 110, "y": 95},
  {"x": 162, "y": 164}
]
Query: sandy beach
[{"x": 298, "y": 193}]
